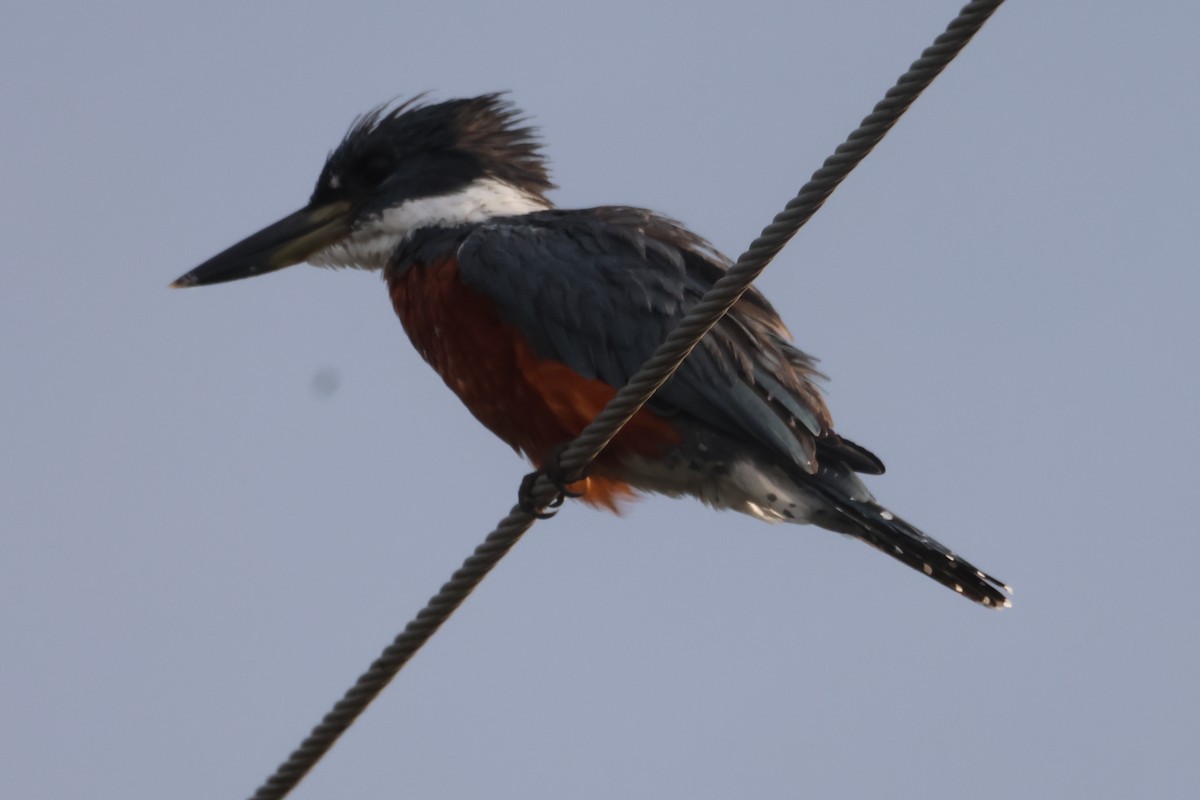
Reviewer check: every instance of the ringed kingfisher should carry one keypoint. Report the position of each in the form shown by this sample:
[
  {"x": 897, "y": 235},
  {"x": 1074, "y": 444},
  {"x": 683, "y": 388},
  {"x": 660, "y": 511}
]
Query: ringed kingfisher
[{"x": 534, "y": 316}]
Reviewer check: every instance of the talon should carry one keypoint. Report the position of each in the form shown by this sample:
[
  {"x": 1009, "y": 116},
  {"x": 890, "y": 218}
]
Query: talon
[
  {"x": 525, "y": 499},
  {"x": 554, "y": 473},
  {"x": 526, "y": 502}
]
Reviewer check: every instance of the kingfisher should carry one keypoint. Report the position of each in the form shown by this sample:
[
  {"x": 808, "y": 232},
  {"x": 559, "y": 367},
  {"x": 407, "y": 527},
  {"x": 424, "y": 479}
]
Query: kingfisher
[{"x": 534, "y": 316}]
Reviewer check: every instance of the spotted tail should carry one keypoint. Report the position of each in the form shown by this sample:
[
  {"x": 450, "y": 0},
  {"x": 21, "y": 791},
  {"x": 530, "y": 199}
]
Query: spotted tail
[{"x": 880, "y": 528}]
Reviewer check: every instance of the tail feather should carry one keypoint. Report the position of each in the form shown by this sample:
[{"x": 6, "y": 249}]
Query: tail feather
[{"x": 880, "y": 528}]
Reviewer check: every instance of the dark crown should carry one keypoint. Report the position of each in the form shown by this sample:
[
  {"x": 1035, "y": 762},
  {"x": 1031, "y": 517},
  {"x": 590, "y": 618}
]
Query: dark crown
[{"x": 454, "y": 141}]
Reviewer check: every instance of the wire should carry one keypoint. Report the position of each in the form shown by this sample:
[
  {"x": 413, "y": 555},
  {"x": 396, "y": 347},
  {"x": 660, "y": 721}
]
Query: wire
[{"x": 576, "y": 458}]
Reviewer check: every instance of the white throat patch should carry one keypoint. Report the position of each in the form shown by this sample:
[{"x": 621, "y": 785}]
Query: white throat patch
[{"x": 372, "y": 244}]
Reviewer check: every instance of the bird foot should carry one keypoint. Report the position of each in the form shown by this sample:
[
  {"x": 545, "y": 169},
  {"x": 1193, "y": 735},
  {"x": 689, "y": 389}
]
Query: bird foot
[{"x": 557, "y": 476}]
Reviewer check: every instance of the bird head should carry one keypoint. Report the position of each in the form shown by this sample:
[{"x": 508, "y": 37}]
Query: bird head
[{"x": 399, "y": 169}]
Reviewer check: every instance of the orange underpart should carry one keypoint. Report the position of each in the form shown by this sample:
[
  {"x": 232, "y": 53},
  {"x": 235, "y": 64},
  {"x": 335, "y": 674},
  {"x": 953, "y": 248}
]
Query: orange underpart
[{"x": 531, "y": 403}]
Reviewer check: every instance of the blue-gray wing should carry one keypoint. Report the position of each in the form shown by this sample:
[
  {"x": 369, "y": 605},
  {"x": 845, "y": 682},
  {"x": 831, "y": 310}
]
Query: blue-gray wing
[{"x": 599, "y": 289}]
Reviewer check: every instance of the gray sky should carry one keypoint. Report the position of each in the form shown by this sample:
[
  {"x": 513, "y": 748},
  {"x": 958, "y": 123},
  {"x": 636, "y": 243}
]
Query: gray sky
[{"x": 218, "y": 505}]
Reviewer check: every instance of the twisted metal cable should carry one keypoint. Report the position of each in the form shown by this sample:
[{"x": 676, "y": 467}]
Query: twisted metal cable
[{"x": 579, "y": 455}]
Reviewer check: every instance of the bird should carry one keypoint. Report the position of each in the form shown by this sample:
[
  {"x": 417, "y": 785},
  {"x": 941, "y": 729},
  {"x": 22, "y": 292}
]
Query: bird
[{"x": 535, "y": 316}]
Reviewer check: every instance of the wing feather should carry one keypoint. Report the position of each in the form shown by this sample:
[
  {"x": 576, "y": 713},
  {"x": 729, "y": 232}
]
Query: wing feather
[{"x": 599, "y": 289}]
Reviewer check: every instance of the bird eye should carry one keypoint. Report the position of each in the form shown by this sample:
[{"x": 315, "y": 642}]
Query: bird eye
[{"x": 375, "y": 171}]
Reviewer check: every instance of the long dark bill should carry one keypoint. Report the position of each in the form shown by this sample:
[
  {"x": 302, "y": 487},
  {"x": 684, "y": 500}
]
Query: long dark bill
[{"x": 289, "y": 241}]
